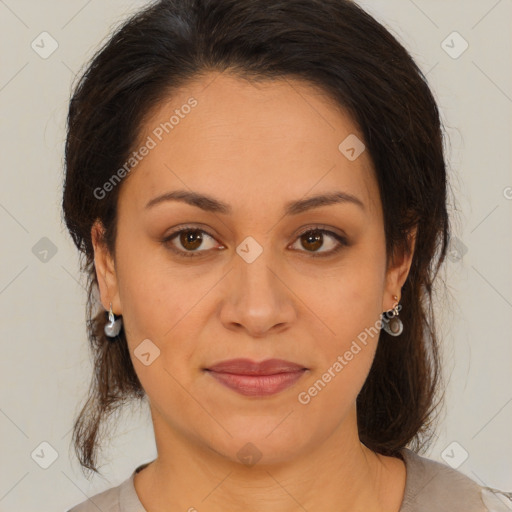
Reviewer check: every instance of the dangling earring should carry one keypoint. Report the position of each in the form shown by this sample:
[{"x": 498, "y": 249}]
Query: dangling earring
[
  {"x": 390, "y": 321},
  {"x": 113, "y": 327}
]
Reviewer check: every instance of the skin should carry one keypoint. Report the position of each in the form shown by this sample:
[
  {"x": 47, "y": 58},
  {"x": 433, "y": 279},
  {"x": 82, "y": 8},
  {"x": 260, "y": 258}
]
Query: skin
[{"x": 255, "y": 147}]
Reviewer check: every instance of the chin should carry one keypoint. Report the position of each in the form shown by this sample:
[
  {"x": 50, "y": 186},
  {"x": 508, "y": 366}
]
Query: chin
[{"x": 252, "y": 445}]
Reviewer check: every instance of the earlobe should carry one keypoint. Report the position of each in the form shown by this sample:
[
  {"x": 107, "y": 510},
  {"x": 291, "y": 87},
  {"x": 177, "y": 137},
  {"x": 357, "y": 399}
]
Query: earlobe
[
  {"x": 398, "y": 271},
  {"x": 105, "y": 269}
]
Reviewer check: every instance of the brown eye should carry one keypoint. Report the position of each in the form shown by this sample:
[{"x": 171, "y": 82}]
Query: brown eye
[
  {"x": 314, "y": 239},
  {"x": 188, "y": 242}
]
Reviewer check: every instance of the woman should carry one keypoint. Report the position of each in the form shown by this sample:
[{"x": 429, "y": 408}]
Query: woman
[{"x": 259, "y": 192}]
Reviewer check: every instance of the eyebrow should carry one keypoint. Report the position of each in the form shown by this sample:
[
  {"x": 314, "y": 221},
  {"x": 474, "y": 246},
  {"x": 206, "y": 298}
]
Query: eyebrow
[{"x": 210, "y": 204}]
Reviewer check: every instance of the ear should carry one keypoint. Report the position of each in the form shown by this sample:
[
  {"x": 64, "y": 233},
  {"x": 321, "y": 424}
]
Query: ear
[
  {"x": 398, "y": 270},
  {"x": 105, "y": 270}
]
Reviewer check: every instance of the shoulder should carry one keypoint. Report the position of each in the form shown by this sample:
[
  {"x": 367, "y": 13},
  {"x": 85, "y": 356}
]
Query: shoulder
[
  {"x": 106, "y": 501},
  {"x": 122, "y": 498},
  {"x": 431, "y": 485}
]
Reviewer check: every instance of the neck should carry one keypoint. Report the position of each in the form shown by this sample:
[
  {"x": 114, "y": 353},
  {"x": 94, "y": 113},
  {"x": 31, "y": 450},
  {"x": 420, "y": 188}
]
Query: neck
[{"x": 339, "y": 474}]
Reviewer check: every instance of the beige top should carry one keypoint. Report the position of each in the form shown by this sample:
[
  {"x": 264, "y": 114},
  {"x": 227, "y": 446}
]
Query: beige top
[{"x": 430, "y": 486}]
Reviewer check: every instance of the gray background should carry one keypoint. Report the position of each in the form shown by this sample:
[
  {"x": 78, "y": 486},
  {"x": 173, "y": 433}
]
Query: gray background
[{"x": 45, "y": 364}]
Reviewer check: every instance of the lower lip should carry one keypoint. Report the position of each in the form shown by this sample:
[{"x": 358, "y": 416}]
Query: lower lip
[{"x": 258, "y": 385}]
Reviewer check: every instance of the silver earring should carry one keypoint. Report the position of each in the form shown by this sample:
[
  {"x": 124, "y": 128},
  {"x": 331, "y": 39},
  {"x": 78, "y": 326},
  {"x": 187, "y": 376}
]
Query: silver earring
[
  {"x": 113, "y": 327},
  {"x": 390, "y": 321}
]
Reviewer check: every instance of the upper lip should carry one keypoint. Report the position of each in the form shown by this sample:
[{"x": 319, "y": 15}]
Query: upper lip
[{"x": 249, "y": 367}]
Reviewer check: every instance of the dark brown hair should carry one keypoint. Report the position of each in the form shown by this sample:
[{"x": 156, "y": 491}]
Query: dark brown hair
[{"x": 331, "y": 44}]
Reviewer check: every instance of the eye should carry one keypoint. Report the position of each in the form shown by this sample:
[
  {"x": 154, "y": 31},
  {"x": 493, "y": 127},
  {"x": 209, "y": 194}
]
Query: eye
[
  {"x": 189, "y": 238},
  {"x": 313, "y": 238},
  {"x": 192, "y": 238}
]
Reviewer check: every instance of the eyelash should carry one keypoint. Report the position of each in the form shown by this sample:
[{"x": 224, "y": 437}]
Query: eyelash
[{"x": 191, "y": 254}]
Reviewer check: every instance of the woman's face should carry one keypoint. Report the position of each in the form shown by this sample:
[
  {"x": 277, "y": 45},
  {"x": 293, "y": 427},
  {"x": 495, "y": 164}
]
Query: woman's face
[{"x": 254, "y": 287}]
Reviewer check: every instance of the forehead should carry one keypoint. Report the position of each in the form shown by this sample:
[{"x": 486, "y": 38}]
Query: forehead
[{"x": 251, "y": 143}]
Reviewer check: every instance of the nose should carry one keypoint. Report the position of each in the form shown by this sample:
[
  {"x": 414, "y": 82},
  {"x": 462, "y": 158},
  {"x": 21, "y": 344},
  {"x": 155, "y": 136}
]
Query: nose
[{"x": 258, "y": 297}]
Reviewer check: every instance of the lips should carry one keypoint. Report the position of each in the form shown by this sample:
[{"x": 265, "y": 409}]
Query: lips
[
  {"x": 248, "y": 367},
  {"x": 254, "y": 379}
]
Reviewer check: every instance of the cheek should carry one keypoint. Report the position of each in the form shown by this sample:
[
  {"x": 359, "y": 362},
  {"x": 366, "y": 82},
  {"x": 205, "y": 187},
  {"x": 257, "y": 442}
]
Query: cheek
[
  {"x": 160, "y": 305},
  {"x": 345, "y": 354},
  {"x": 349, "y": 306},
  {"x": 348, "y": 299},
  {"x": 153, "y": 296}
]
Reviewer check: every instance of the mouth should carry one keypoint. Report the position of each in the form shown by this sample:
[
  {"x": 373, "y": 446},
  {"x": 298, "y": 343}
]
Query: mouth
[{"x": 250, "y": 378}]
